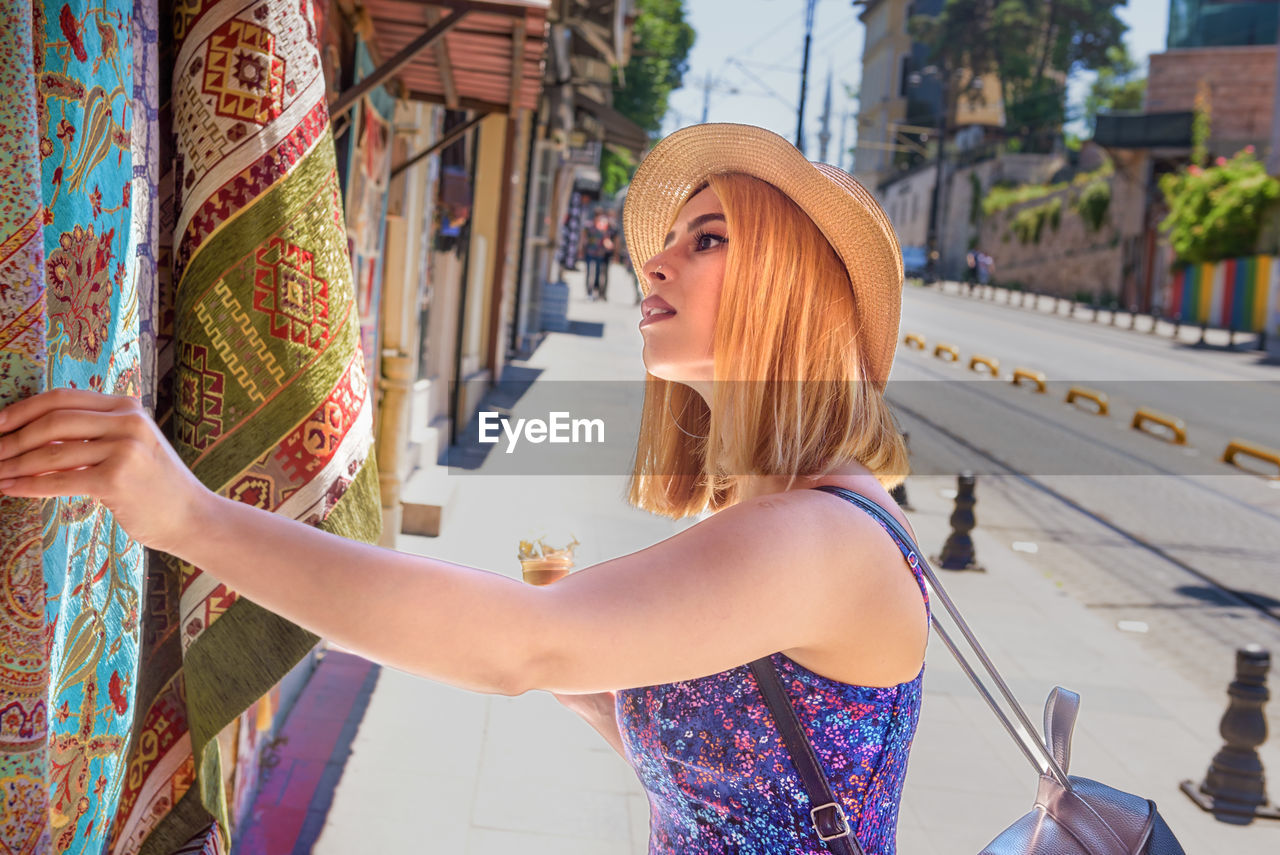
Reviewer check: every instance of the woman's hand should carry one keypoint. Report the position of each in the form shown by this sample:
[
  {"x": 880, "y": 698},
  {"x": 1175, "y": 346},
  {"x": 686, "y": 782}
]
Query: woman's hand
[{"x": 72, "y": 442}]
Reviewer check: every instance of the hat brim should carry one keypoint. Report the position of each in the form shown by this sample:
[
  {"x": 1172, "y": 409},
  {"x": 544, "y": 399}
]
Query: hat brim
[{"x": 850, "y": 218}]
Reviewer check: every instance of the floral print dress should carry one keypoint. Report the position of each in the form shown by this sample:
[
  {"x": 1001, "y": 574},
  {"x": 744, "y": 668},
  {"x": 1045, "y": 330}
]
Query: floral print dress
[{"x": 720, "y": 780}]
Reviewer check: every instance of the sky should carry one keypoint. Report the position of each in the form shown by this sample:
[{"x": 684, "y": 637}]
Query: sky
[{"x": 751, "y": 51}]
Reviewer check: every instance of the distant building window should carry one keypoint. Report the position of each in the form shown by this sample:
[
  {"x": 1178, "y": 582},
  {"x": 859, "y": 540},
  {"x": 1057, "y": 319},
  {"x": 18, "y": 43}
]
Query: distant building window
[
  {"x": 906, "y": 73},
  {"x": 1211, "y": 23},
  {"x": 906, "y": 19}
]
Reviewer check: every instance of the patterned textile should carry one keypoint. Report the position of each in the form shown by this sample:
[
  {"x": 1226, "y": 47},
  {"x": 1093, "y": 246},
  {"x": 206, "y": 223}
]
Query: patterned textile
[
  {"x": 69, "y": 578},
  {"x": 267, "y": 401},
  {"x": 719, "y": 779}
]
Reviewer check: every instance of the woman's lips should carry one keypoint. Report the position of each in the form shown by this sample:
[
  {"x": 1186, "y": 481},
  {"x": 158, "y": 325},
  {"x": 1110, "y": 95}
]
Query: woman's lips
[{"x": 654, "y": 318}]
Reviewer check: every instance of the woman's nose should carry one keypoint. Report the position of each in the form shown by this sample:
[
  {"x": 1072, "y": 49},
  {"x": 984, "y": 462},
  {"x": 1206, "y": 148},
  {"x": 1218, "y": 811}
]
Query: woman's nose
[{"x": 653, "y": 269}]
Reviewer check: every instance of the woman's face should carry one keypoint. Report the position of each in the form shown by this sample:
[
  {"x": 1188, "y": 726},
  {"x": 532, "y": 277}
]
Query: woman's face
[{"x": 688, "y": 275}]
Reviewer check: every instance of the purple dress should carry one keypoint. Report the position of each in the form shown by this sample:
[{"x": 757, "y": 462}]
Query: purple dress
[{"x": 719, "y": 779}]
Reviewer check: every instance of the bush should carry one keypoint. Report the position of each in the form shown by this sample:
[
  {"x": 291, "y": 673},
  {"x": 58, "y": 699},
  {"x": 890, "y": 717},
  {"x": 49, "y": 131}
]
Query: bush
[
  {"x": 1005, "y": 195},
  {"x": 1217, "y": 212},
  {"x": 1028, "y": 224},
  {"x": 1093, "y": 203}
]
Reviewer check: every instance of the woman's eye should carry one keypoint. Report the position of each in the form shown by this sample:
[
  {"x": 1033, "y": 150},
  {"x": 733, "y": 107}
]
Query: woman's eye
[{"x": 707, "y": 241}]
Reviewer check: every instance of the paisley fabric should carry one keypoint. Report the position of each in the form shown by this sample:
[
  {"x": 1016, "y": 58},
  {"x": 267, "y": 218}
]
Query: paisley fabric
[
  {"x": 70, "y": 579},
  {"x": 720, "y": 780},
  {"x": 261, "y": 386}
]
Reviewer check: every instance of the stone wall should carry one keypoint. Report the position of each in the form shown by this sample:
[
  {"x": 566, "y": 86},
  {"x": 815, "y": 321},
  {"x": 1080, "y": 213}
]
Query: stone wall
[{"x": 1071, "y": 259}]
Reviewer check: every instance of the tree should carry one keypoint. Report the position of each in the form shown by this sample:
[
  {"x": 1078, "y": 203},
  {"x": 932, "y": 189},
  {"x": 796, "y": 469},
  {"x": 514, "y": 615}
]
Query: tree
[
  {"x": 659, "y": 60},
  {"x": 1117, "y": 87},
  {"x": 1032, "y": 45}
]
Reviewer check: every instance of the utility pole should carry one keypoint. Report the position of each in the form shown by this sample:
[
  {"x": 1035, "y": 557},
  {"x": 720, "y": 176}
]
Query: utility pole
[
  {"x": 935, "y": 251},
  {"x": 706, "y": 97},
  {"x": 804, "y": 71},
  {"x": 824, "y": 136}
]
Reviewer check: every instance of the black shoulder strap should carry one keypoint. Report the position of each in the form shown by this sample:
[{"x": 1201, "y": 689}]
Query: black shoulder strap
[{"x": 828, "y": 817}]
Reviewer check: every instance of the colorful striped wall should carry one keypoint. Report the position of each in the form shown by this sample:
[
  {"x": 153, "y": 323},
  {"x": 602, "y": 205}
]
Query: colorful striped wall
[{"x": 1232, "y": 294}]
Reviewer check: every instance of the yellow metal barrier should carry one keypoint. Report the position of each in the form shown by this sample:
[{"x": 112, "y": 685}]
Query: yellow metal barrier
[
  {"x": 1077, "y": 392},
  {"x": 993, "y": 365},
  {"x": 913, "y": 340},
  {"x": 1036, "y": 377},
  {"x": 1174, "y": 424},
  {"x": 949, "y": 349},
  {"x": 1249, "y": 449}
]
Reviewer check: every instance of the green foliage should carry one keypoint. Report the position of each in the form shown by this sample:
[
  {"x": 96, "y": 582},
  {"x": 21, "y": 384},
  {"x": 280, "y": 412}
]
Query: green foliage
[
  {"x": 1055, "y": 212},
  {"x": 1004, "y": 196},
  {"x": 1029, "y": 223},
  {"x": 1093, "y": 203},
  {"x": 1031, "y": 44},
  {"x": 1201, "y": 125},
  {"x": 1217, "y": 212},
  {"x": 1117, "y": 86},
  {"x": 659, "y": 60},
  {"x": 975, "y": 197},
  {"x": 616, "y": 168}
]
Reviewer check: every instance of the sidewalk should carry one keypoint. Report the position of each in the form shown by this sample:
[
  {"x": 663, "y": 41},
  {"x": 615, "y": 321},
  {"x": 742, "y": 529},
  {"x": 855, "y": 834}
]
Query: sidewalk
[{"x": 431, "y": 769}]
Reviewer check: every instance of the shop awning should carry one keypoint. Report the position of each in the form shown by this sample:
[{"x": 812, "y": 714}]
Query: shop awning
[
  {"x": 618, "y": 129},
  {"x": 485, "y": 55}
]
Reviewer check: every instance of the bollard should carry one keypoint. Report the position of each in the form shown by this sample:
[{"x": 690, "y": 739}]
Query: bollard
[
  {"x": 1095, "y": 313},
  {"x": 1115, "y": 307},
  {"x": 1204, "y": 327},
  {"x": 899, "y": 493},
  {"x": 957, "y": 552},
  {"x": 1133, "y": 316},
  {"x": 1177, "y": 324},
  {"x": 1235, "y": 783},
  {"x": 1155, "y": 322}
]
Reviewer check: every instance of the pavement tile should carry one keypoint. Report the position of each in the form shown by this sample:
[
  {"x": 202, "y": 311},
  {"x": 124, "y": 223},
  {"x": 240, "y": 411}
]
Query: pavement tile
[
  {"x": 395, "y": 813},
  {"x": 531, "y": 805},
  {"x": 487, "y": 841},
  {"x": 304, "y": 776},
  {"x": 275, "y": 837}
]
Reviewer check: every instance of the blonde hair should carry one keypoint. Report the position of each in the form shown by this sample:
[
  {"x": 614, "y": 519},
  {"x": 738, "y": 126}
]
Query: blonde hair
[{"x": 787, "y": 318}]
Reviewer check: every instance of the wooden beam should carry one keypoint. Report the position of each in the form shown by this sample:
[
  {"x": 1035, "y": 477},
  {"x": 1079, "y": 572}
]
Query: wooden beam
[
  {"x": 517, "y": 63},
  {"x": 444, "y": 64},
  {"x": 444, "y": 141},
  {"x": 380, "y": 75},
  {"x": 464, "y": 103}
]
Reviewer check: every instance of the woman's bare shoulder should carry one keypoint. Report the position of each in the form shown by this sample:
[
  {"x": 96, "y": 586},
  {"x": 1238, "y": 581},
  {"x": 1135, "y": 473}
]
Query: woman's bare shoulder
[{"x": 878, "y": 625}]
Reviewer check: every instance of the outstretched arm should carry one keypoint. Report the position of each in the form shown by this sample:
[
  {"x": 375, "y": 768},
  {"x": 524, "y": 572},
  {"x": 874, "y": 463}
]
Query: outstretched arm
[{"x": 761, "y": 576}]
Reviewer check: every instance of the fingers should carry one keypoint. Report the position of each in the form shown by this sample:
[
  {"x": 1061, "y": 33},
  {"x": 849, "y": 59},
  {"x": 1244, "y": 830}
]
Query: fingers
[
  {"x": 74, "y": 482},
  {"x": 67, "y": 425},
  {"x": 58, "y": 457},
  {"x": 28, "y": 410}
]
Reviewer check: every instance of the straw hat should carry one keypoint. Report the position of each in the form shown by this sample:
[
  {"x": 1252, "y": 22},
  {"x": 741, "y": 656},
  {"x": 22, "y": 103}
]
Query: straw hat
[{"x": 845, "y": 212}]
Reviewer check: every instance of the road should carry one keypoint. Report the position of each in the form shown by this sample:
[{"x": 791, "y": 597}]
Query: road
[{"x": 1155, "y": 533}]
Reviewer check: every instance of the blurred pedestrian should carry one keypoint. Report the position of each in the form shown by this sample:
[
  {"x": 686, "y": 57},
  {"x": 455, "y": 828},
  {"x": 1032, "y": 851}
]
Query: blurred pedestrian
[
  {"x": 756, "y": 265},
  {"x": 599, "y": 242},
  {"x": 985, "y": 265}
]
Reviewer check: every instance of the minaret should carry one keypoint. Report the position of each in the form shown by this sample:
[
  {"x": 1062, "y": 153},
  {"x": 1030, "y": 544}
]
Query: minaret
[
  {"x": 844, "y": 147},
  {"x": 825, "y": 135}
]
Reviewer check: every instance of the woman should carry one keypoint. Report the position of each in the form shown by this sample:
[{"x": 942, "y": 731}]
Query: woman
[{"x": 773, "y": 290}]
